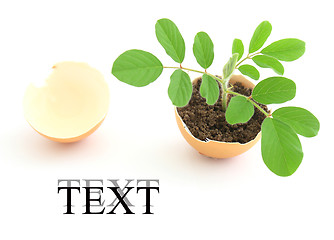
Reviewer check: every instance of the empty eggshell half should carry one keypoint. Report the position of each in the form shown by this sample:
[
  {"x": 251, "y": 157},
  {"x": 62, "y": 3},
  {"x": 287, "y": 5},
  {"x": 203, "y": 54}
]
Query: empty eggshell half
[{"x": 70, "y": 105}]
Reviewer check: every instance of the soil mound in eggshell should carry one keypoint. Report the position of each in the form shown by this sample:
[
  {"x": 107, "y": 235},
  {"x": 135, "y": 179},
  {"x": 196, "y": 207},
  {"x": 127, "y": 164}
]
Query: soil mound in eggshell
[{"x": 207, "y": 122}]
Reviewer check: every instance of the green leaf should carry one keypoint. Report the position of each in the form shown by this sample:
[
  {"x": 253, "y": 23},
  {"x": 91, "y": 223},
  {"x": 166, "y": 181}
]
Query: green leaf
[
  {"x": 180, "y": 88},
  {"x": 301, "y": 120},
  {"x": 137, "y": 68},
  {"x": 171, "y": 39},
  {"x": 239, "y": 110},
  {"x": 288, "y": 49},
  {"x": 280, "y": 147},
  {"x": 203, "y": 50},
  {"x": 238, "y": 47},
  {"x": 269, "y": 62},
  {"x": 250, "y": 71},
  {"x": 209, "y": 89},
  {"x": 274, "y": 90},
  {"x": 230, "y": 66},
  {"x": 260, "y": 36}
]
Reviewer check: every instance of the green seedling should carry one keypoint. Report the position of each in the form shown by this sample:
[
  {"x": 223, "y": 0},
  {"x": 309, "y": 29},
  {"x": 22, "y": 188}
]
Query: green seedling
[{"x": 280, "y": 145}]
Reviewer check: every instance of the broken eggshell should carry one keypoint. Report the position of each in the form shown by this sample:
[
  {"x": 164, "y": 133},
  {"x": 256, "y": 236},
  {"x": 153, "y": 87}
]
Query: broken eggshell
[{"x": 70, "y": 105}]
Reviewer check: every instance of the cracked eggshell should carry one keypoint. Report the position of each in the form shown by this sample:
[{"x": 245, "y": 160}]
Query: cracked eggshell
[
  {"x": 213, "y": 148},
  {"x": 70, "y": 105}
]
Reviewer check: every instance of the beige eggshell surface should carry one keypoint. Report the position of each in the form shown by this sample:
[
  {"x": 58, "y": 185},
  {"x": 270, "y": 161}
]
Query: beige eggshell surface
[
  {"x": 213, "y": 148},
  {"x": 70, "y": 105}
]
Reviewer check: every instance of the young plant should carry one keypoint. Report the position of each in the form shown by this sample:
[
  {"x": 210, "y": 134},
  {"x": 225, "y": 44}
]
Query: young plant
[{"x": 280, "y": 145}]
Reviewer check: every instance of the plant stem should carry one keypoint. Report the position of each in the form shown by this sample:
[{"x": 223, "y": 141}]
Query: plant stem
[
  {"x": 249, "y": 56},
  {"x": 193, "y": 70},
  {"x": 187, "y": 69},
  {"x": 224, "y": 99},
  {"x": 224, "y": 86}
]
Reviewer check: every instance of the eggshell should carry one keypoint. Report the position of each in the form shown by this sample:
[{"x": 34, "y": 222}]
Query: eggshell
[
  {"x": 70, "y": 105},
  {"x": 213, "y": 148}
]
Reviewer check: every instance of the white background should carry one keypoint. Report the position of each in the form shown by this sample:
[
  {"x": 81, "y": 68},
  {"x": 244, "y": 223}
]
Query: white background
[{"x": 200, "y": 198}]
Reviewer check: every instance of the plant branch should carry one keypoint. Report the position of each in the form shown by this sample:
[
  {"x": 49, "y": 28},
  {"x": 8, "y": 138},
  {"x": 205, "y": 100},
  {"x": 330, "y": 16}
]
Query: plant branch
[
  {"x": 197, "y": 71},
  {"x": 187, "y": 69},
  {"x": 249, "y": 56}
]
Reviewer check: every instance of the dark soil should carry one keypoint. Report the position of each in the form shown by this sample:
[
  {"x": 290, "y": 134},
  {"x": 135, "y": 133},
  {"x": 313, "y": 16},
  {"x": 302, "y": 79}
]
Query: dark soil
[{"x": 208, "y": 121}]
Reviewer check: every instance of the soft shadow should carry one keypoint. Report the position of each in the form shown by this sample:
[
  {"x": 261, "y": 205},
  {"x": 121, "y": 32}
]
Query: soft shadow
[
  {"x": 32, "y": 145},
  {"x": 180, "y": 159}
]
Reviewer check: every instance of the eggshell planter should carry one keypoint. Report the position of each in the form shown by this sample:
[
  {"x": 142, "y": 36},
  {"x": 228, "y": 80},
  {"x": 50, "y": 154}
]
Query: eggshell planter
[{"x": 213, "y": 148}]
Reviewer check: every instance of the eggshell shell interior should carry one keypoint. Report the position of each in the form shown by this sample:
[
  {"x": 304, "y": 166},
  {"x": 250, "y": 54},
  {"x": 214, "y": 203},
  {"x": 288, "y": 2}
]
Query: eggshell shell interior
[{"x": 70, "y": 105}]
